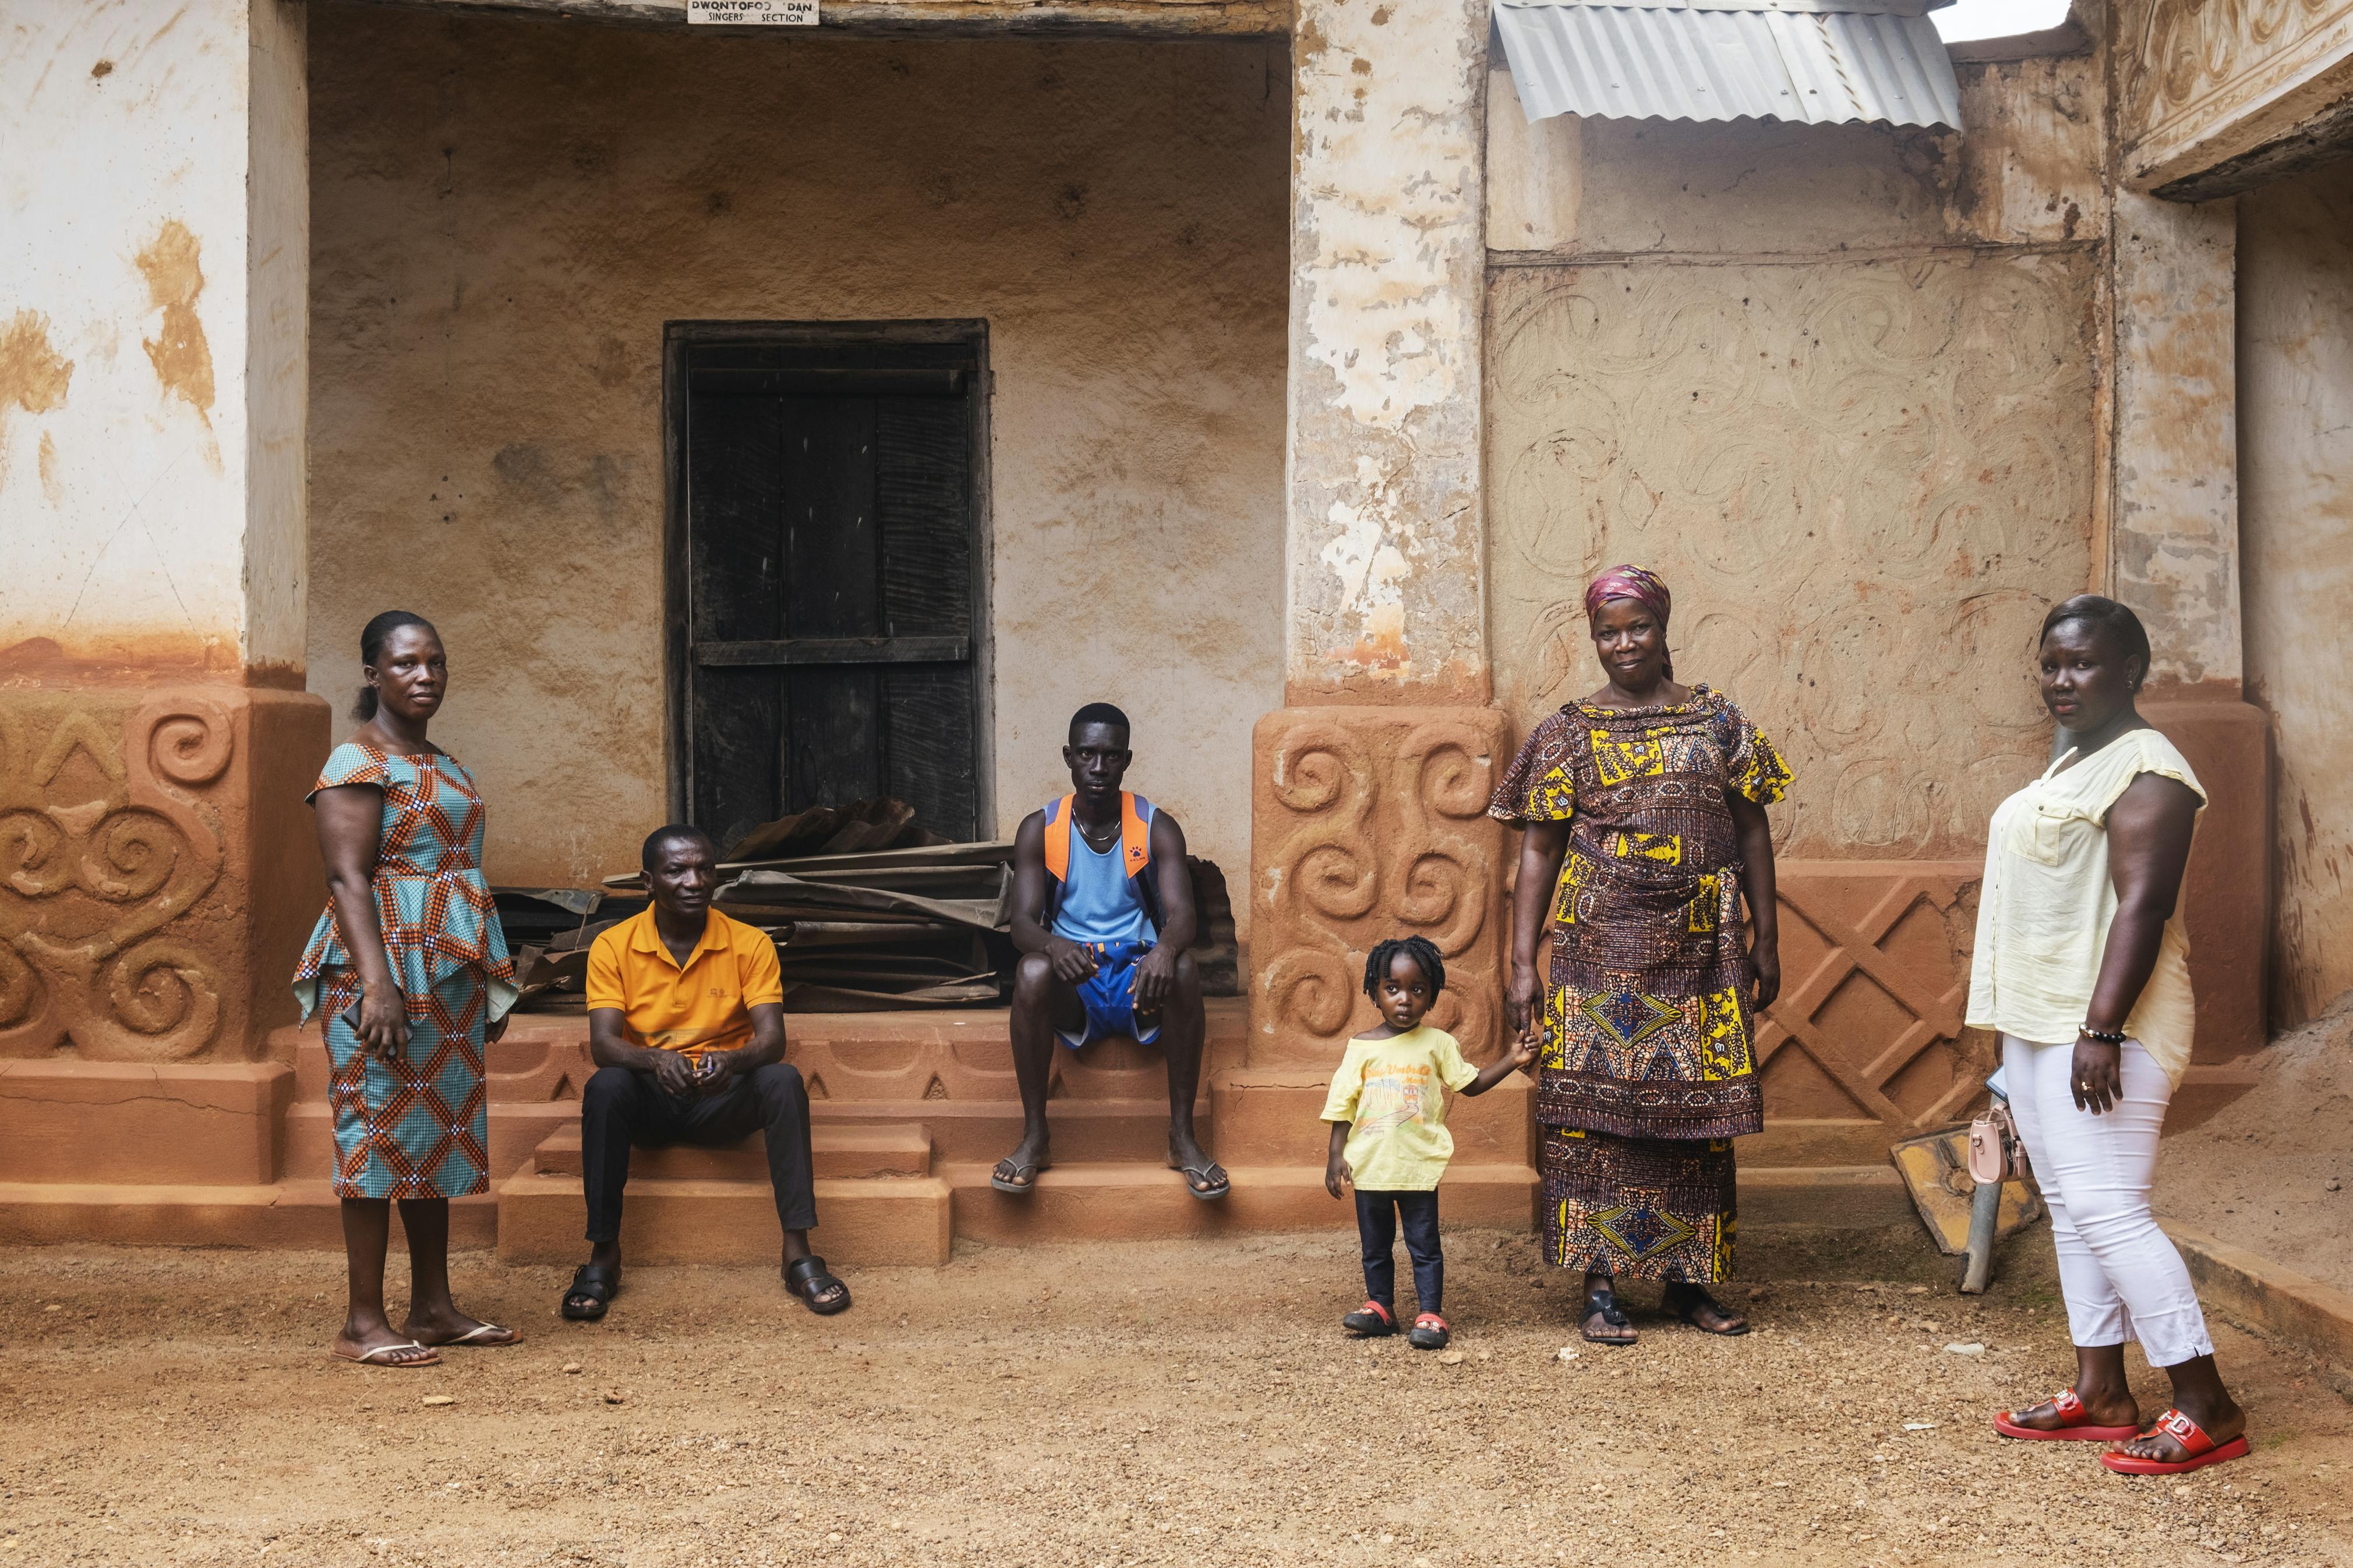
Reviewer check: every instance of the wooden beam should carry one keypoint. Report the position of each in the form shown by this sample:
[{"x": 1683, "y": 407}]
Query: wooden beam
[{"x": 933, "y": 18}]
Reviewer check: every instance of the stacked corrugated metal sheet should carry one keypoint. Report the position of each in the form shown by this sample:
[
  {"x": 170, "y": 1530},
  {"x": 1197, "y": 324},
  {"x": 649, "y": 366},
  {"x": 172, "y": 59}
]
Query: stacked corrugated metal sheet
[{"x": 1806, "y": 60}]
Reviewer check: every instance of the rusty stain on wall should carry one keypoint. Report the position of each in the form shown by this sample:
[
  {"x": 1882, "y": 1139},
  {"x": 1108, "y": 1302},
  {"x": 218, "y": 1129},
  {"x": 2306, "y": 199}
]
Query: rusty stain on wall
[
  {"x": 176, "y": 278},
  {"x": 33, "y": 377}
]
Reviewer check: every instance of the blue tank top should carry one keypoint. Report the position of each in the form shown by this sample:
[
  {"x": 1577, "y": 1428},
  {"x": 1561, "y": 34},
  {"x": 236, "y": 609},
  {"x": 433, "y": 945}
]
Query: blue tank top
[{"x": 1099, "y": 903}]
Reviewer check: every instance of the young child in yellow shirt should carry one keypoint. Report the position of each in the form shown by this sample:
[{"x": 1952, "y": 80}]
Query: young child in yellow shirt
[{"x": 1389, "y": 1141}]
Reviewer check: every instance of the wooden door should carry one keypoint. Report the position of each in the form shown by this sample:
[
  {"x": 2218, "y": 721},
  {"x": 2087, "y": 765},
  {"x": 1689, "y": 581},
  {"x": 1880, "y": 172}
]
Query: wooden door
[{"x": 832, "y": 578}]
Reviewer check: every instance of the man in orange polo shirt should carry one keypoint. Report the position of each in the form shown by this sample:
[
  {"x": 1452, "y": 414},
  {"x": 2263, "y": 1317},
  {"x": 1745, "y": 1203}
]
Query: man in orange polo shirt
[{"x": 686, "y": 1024}]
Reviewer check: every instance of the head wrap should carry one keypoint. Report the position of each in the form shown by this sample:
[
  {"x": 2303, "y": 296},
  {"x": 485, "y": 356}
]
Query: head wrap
[{"x": 1633, "y": 582}]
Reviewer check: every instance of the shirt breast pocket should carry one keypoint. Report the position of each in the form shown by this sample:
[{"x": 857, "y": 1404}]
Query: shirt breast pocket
[{"x": 2046, "y": 833}]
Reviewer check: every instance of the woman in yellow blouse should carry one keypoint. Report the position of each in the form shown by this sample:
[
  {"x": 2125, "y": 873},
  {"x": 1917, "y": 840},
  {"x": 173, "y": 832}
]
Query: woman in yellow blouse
[{"x": 2083, "y": 967}]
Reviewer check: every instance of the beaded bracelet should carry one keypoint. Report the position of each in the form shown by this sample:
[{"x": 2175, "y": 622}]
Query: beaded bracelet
[{"x": 2105, "y": 1036}]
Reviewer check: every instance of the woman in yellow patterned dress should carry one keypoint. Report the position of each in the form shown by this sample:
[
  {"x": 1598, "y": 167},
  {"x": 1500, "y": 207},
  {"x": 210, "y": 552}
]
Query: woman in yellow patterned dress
[{"x": 1643, "y": 815}]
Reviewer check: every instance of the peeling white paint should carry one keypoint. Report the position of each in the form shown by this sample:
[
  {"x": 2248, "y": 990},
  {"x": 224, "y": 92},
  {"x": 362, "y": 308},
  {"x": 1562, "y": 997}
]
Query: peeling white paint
[{"x": 1388, "y": 262}]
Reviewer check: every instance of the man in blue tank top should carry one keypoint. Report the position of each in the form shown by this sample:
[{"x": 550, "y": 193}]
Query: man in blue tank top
[{"x": 1103, "y": 913}]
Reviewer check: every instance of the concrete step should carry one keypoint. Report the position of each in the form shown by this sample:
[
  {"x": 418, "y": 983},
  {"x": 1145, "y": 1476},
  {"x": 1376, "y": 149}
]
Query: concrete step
[
  {"x": 516, "y": 1128},
  {"x": 986, "y": 1130},
  {"x": 1842, "y": 1197},
  {"x": 1136, "y": 1201},
  {"x": 293, "y": 1214},
  {"x": 1270, "y": 1116},
  {"x": 884, "y": 1219},
  {"x": 847, "y": 1152}
]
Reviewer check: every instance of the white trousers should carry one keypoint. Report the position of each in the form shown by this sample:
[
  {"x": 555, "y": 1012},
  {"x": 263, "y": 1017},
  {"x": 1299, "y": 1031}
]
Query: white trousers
[{"x": 2121, "y": 1275}]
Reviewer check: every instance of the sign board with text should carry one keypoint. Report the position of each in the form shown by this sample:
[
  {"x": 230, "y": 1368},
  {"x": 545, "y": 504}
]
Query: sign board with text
[{"x": 752, "y": 12}]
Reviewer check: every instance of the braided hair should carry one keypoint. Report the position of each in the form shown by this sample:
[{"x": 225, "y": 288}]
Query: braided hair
[{"x": 1420, "y": 949}]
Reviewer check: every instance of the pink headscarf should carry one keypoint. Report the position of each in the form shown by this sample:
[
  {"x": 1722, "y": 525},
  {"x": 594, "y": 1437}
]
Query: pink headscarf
[{"x": 1633, "y": 582}]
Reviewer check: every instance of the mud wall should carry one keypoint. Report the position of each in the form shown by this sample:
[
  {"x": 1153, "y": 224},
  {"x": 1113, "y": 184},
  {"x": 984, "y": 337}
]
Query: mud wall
[
  {"x": 506, "y": 211},
  {"x": 2296, "y": 456},
  {"x": 1841, "y": 386}
]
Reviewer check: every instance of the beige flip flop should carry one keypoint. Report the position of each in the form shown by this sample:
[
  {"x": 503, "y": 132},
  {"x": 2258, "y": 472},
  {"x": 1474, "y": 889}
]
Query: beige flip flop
[{"x": 368, "y": 1358}]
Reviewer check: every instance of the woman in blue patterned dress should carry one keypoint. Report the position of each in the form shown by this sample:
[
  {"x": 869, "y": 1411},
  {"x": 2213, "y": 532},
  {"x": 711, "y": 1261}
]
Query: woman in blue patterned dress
[{"x": 410, "y": 969}]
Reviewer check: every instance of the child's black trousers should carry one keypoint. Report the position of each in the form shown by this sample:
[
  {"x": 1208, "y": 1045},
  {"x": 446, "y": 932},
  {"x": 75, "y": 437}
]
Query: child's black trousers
[{"x": 1378, "y": 1215}]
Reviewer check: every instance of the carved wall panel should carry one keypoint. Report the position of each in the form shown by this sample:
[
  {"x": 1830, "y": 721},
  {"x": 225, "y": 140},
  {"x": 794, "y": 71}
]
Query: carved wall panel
[
  {"x": 1369, "y": 823},
  {"x": 1865, "y": 481},
  {"x": 2203, "y": 80},
  {"x": 147, "y": 874}
]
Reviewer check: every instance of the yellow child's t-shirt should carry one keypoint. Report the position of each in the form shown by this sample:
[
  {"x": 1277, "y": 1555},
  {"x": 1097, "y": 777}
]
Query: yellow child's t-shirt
[{"x": 1390, "y": 1091}]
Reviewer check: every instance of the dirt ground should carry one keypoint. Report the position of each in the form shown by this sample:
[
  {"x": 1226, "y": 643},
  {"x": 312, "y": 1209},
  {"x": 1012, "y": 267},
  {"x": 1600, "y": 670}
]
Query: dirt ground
[
  {"x": 2273, "y": 1172},
  {"x": 1138, "y": 1404}
]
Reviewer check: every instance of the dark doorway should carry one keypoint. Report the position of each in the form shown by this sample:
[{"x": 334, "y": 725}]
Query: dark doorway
[{"x": 826, "y": 566}]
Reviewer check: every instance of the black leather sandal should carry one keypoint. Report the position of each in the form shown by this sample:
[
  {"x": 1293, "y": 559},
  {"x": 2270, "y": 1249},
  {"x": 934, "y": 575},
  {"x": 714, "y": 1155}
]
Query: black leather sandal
[
  {"x": 808, "y": 1279},
  {"x": 1602, "y": 1302},
  {"x": 599, "y": 1283}
]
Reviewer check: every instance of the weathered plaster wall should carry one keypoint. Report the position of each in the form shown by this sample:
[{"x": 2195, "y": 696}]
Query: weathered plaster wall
[
  {"x": 1386, "y": 536},
  {"x": 149, "y": 493},
  {"x": 1841, "y": 385},
  {"x": 507, "y": 211},
  {"x": 2295, "y": 423}
]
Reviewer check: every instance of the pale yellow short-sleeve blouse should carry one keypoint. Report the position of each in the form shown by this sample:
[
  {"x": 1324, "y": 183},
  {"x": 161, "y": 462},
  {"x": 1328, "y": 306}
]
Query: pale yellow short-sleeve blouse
[{"x": 2047, "y": 901}]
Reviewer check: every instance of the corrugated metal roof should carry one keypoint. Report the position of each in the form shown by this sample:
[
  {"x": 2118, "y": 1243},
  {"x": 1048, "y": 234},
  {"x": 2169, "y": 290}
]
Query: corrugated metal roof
[{"x": 1811, "y": 60}]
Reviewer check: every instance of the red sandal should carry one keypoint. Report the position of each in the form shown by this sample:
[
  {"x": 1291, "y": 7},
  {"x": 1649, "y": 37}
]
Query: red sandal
[
  {"x": 2202, "y": 1450},
  {"x": 2075, "y": 1424},
  {"x": 1430, "y": 1332},
  {"x": 1372, "y": 1321}
]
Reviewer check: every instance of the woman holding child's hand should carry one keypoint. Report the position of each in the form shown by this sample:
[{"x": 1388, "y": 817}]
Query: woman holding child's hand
[{"x": 1642, "y": 809}]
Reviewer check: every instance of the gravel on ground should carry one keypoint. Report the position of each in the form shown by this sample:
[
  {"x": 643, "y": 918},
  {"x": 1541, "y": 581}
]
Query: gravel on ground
[{"x": 1174, "y": 1403}]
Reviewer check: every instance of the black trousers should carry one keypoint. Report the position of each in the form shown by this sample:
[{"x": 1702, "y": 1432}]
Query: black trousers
[
  {"x": 621, "y": 1107},
  {"x": 1377, "y": 1226}
]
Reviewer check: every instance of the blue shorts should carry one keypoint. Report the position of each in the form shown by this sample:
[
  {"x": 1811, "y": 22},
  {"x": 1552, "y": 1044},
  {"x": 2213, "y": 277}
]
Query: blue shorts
[{"x": 1109, "y": 996}]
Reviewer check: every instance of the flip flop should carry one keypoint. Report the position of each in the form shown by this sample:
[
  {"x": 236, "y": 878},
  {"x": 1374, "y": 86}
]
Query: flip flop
[
  {"x": 1217, "y": 1188},
  {"x": 2075, "y": 1424},
  {"x": 368, "y": 1358},
  {"x": 1687, "y": 1300},
  {"x": 481, "y": 1335},
  {"x": 808, "y": 1279},
  {"x": 1004, "y": 1181},
  {"x": 2202, "y": 1450}
]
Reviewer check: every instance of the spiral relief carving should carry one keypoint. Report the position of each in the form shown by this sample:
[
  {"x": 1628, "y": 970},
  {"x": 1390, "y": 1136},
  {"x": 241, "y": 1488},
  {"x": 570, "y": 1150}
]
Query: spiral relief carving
[
  {"x": 1370, "y": 822},
  {"x": 106, "y": 841}
]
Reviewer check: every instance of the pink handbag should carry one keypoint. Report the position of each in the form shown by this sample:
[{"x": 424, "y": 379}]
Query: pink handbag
[{"x": 1995, "y": 1153}]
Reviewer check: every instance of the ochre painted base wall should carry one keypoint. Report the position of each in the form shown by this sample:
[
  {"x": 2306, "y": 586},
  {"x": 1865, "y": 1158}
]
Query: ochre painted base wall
[{"x": 506, "y": 211}]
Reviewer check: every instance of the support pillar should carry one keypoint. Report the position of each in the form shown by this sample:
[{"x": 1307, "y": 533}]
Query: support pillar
[
  {"x": 1370, "y": 785},
  {"x": 2173, "y": 556},
  {"x": 157, "y": 865}
]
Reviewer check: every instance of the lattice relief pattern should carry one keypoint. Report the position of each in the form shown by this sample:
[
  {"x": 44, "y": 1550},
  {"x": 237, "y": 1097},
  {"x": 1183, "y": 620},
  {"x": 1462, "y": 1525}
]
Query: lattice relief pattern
[
  {"x": 1874, "y": 969},
  {"x": 1865, "y": 481},
  {"x": 1369, "y": 823},
  {"x": 106, "y": 843}
]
